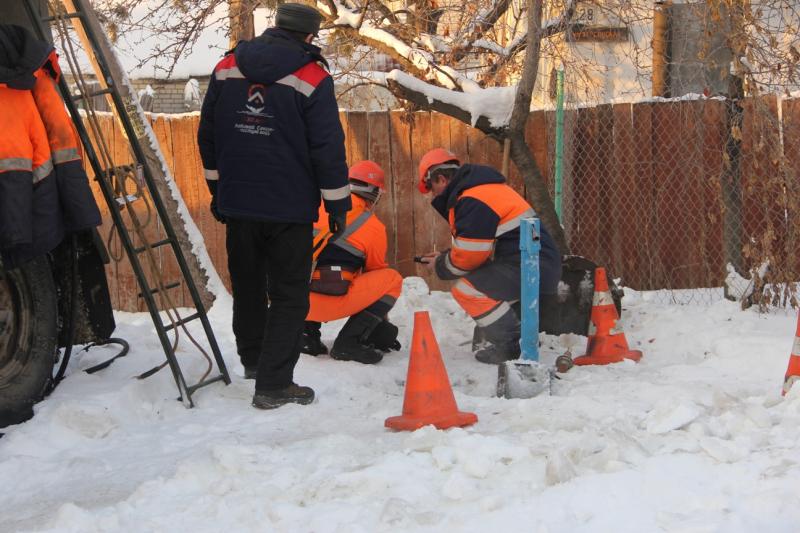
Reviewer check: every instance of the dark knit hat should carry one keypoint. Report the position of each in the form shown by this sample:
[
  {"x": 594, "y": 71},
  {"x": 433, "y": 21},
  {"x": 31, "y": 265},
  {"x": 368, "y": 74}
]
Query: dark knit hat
[{"x": 298, "y": 17}]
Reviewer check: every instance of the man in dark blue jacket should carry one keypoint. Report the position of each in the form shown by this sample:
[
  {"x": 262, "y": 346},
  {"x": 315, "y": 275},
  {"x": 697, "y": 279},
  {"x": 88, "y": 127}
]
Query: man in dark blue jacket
[{"x": 272, "y": 144}]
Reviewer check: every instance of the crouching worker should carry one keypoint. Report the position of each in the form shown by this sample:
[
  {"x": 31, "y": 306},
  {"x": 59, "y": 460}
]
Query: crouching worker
[
  {"x": 352, "y": 278},
  {"x": 484, "y": 214}
]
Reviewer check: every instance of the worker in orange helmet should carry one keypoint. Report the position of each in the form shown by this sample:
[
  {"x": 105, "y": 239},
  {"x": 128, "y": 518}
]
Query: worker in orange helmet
[
  {"x": 484, "y": 214},
  {"x": 352, "y": 278}
]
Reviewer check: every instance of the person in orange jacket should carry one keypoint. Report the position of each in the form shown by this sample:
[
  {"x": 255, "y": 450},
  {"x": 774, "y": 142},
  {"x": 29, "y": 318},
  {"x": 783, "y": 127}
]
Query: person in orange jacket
[
  {"x": 484, "y": 214},
  {"x": 44, "y": 191},
  {"x": 352, "y": 278}
]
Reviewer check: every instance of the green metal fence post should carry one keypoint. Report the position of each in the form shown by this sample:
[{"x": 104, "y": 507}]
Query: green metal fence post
[{"x": 559, "y": 140}]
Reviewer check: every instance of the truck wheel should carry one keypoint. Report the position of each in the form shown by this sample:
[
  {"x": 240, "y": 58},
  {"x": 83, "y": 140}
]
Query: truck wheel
[{"x": 28, "y": 317}]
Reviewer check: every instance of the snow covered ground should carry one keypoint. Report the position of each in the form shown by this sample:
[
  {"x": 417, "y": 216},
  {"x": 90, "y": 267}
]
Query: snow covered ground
[{"x": 695, "y": 438}]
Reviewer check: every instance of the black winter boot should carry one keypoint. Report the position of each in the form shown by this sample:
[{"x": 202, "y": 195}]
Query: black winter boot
[
  {"x": 294, "y": 393},
  {"x": 384, "y": 337},
  {"x": 495, "y": 353},
  {"x": 501, "y": 340},
  {"x": 311, "y": 342},
  {"x": 478, "y": 338},
  {"x": 351, "y": 343}
]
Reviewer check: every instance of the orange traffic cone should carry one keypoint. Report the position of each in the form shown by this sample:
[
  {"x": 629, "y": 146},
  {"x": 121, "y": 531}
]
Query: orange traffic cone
[
  {"x": 793, "y": 372},
  {"x": 607, "y": 343},
  {"x": 429, "y": 398}
]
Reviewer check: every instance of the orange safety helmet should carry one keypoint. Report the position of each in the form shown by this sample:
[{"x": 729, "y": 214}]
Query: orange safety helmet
[
  {"x": 434, "y": 158},
  {"x": 367, "y": 180},
  {"x": 368, "y": 172}
]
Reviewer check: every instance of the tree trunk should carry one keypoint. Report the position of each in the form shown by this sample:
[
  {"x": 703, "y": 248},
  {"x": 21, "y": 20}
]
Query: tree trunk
[
  {"x": 520, "y": 151},
  {"x": 242, "y": 28},
  {"x": 537, "y": 190}
]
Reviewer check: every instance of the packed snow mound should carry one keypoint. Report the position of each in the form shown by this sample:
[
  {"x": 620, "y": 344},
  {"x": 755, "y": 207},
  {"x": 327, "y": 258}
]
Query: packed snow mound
[{"x": 696, "y": 437}]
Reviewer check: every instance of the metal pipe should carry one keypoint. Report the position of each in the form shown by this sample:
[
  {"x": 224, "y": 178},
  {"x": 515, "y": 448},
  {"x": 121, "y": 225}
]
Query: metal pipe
[{"x": 529, "y": 245}]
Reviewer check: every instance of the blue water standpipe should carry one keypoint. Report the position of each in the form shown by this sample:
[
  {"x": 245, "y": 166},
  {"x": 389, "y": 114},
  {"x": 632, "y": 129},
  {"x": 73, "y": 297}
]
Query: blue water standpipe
[{"x": 529, "y": 245}]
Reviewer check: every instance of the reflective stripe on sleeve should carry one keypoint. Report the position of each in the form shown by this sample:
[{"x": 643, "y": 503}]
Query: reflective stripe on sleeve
[
  {"x": 452, "y": 268},
  {"x": 16, "y": 163},
  {"x": 211, "y": 175},
  {"x": 42, "y": 171},
  {"x": 65, "y": 155},
  {"x": 473, "y": 246},
  {"x": 336, "y": 194}
]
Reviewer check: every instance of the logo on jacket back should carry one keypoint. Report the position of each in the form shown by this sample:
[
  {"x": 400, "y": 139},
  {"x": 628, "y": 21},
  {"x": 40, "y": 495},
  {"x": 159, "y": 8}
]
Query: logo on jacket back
[
  {"x": 256, "y": 96},
  {"x": 255, "y": 119}
]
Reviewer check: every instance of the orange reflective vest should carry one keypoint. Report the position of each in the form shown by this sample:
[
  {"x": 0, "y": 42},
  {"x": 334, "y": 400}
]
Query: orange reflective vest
[
  {"x": 484, "y": 216},
  {"x": 44, "y": 191},
  {"x": 363, "y": 244}
]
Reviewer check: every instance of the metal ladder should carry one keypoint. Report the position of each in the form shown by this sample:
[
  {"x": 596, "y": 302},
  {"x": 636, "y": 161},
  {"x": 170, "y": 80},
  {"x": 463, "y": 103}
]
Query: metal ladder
[{"x": 125, "y": 107}]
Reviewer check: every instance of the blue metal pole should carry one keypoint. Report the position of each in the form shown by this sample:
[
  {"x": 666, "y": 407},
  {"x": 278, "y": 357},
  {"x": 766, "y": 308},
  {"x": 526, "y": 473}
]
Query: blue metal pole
[{"x": 529, "y": 246}]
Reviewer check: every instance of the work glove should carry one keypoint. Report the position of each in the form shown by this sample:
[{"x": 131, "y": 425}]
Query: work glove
[
  {"x": 337, "y": 222},
  {"x": 214, "y": 212}
]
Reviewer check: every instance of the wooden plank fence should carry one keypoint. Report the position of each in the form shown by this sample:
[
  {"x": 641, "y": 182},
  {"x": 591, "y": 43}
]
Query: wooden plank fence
[{"x": 641, "y": 191}]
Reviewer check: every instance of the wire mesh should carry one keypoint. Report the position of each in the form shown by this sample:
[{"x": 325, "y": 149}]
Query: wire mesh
[{"x": 692, "y": 198}]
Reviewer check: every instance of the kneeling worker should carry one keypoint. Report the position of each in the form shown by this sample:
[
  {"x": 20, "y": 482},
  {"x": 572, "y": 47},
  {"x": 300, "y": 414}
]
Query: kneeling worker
[
  {"x": 352, "y": 278},
  {"x": 484, "y": 215}
]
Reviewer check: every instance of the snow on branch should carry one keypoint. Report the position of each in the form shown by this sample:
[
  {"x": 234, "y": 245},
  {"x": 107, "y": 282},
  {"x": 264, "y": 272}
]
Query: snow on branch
[
  {"x": 484, "y": 21},
  {"x": 488, "y": 110},
  {"x": 420, "y": 61}
]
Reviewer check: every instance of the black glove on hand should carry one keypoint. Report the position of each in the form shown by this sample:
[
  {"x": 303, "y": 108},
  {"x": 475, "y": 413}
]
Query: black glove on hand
[
  {"x": 216, "y": 214},
  {"x": 337, "y": 222}
]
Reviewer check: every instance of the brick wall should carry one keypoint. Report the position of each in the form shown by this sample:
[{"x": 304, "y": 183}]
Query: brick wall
[{"x": 169, "y": 93}]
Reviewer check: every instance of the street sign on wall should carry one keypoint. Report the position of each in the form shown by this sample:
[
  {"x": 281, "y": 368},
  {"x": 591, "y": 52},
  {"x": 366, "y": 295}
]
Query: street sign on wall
[{"x": 592, "y": 23}]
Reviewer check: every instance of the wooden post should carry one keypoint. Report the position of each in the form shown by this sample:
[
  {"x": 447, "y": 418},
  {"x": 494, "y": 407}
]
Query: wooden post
[
  {"x": 506, "y": 156},
  {"x": 661, "y": 48}
]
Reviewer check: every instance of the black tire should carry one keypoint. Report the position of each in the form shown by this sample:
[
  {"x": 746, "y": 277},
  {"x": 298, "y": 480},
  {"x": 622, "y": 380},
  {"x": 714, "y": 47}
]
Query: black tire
[{"x": 28, "y": 321}]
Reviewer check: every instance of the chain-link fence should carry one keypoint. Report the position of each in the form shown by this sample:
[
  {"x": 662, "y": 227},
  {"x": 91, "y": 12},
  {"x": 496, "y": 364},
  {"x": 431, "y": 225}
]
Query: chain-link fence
[{"x": 674, "y": 195}]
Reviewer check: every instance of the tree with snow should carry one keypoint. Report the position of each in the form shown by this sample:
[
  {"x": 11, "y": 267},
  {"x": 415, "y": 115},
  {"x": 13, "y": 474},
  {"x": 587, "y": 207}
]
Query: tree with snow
[{"x": 477, "y": 61}]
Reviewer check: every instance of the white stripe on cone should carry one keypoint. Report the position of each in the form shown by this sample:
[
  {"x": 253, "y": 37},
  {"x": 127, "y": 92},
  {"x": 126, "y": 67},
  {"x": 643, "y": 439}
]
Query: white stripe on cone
[
  {"x": 612, "y": 331},
  {"x": 602, "y": 298}
]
